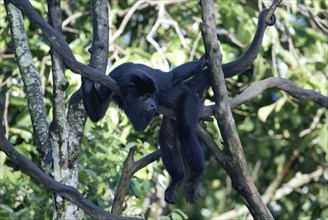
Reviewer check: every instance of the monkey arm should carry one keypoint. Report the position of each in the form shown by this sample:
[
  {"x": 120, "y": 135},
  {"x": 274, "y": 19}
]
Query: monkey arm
[
  {"x": 96, "y": 99},
  {"x": 187, "y": 70}
]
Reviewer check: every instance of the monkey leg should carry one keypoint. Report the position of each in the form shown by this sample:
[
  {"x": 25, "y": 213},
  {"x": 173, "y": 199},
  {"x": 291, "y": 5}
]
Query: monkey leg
[
  {"x": 187, "y": 119},
  {"x": 171, "y": 157}
]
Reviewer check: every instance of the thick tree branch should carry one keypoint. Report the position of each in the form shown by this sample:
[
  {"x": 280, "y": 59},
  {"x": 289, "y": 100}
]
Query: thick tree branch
[
  {"x": 236, "y": 167},
  {"x": 76, "y": 118},
  {"x": 59, "y": 126},
  {"x": 100, "y": 35},
  {"x": 63, "y": 170},
  {"x": 59, "y": 44},
  {"x": 32, "y": 84}
]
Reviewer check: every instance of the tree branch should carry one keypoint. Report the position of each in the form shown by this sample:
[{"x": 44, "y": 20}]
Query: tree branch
[
  {"x": 63, "y": 171},
  {"x": 65, "y": 191},
  {"x": 259, "y": 87},
  {"x": 129, "y": 169},
  {"x": 32, "y": 84},
  {"x": 236, "y": 166},
  {"x": 274, "y": 5},
  {"x": 99, "y": 58},
  {"x": 282, "y": 84},
  {"x": 60, "y": 45},
  {"x": 296, "y": 182}
]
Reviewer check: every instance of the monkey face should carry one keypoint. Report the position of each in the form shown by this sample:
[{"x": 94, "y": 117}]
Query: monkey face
[{"x": 140, "y": 101}]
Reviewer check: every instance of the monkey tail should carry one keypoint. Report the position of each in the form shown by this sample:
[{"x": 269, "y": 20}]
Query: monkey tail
[{"x": 246, "y": 59}]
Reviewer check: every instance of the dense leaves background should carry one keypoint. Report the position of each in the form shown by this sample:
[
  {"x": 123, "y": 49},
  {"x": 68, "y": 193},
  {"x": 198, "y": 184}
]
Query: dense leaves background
[{"x": 272, "y": 128}]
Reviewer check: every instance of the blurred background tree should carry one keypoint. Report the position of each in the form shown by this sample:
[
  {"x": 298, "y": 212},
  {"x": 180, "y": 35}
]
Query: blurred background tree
[{"x": 282, "y": 137}]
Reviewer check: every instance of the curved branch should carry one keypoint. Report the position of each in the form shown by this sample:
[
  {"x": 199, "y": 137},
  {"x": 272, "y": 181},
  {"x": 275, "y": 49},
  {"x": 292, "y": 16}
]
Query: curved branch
[
  {"x": 59, "y": 44},
  {"x": 256, "y": 89},
  {"x": 282, "y": 84},
  {"x": 126, "y": 19},
  {"x": 274, "y": 5},
  {"x": 129, "y": 169},
  {"x": 65, "y": 191},
  {"x": 259, "y": 87}
]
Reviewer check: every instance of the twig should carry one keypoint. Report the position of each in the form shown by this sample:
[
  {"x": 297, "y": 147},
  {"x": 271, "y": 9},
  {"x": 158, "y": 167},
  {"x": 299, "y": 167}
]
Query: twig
[
  {"x": 231, "y": 37},
  {"x": 151, "y": 33},
  {"x": 314, "y": 124},
  {"x": 148, "y": 3},
  {"x": 165, "y": 18},
  {"x": 177, "y": 29},
  {"x": 321, "y": 24},
  {"x": 129, "y": 169},
  {"x": 270, "y": 191},
  {"x": 298, "y": 181},
  {"x": 125, "y": 21},
  {"x": 6, "y": 115},
  {"x": 194, "y": 47},
  {"x": 73, "y": 17}
]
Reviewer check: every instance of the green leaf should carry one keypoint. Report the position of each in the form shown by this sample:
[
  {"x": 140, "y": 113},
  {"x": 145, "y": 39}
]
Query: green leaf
[
  {"x": 6, "y": 207},
  {"x": 247, "y": 125},
  {"x": 264, "y": 112}
]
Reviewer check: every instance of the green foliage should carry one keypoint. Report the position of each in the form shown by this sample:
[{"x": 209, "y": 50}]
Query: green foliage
[{"x": 272, "y": 127}]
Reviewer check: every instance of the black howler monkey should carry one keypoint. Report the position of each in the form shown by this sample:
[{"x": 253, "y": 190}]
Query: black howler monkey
[{"x": 144, "y": 88}]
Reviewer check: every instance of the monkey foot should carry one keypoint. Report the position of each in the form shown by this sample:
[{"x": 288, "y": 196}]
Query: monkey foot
[
  {"x": 190, "y": 191},
  {"x": 169, "y": 194}
]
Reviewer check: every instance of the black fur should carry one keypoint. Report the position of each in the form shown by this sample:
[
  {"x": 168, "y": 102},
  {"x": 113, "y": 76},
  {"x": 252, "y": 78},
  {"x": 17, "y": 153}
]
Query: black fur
[
  {"x": 140, "y": 96},
  {"x": 144, "y": 88},
  {"x": 138, "y": 81}
]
